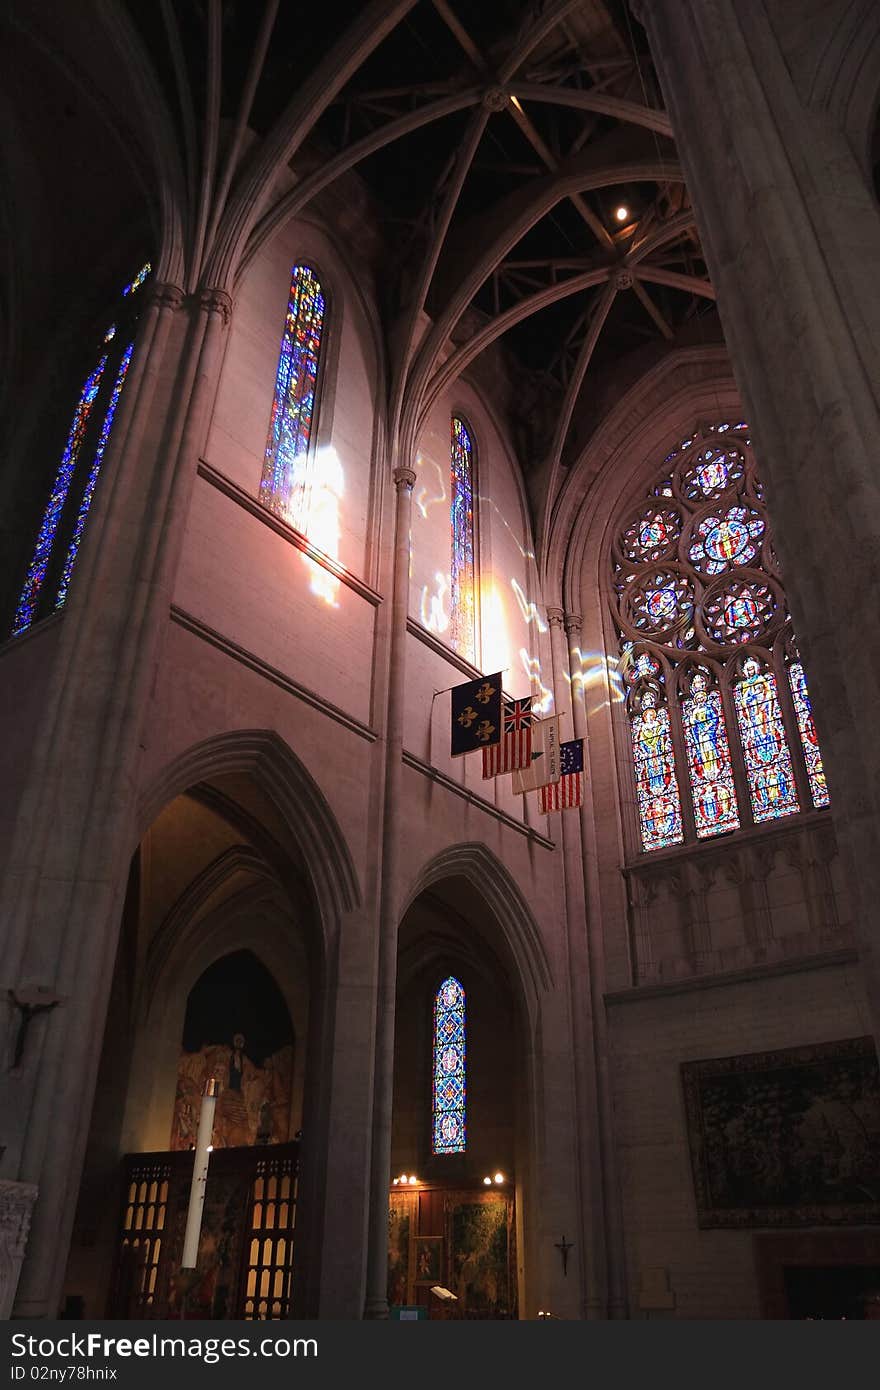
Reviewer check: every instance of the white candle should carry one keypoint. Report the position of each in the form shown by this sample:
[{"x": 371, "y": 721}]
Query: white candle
[{"x": 199, "y": 1178}]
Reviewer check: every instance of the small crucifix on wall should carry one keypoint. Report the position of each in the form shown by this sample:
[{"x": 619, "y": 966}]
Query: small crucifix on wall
[{"x": 563, "y": 1247}]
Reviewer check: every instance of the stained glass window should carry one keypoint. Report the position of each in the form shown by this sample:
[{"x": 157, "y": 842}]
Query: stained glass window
[
  {"x": 804, "y": 712},
  {"x": 462, "y": 599},
  {"x": 708, "y": 755},
  {"x": 448, "y": 1110},
  {"x": 92, "y": 480},
  {"x": 656, "y": 787},
  {"x": 287, "y": 482},
  {"x": 98, "y": 400},
  {"x": 27, "y": 603},
  {"x": 768, "y": 762},
  {"x": 694, "y": 571}
]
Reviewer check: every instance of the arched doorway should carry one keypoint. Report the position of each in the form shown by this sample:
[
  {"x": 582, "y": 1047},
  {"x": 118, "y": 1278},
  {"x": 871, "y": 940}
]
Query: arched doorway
[
  {"x": 460, "y": 1147},
  {"x": 218, "y": 969}
]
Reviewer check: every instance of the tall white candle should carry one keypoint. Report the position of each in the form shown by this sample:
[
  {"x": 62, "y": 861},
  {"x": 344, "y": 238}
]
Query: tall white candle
[{"x": 199, "y": 1178}]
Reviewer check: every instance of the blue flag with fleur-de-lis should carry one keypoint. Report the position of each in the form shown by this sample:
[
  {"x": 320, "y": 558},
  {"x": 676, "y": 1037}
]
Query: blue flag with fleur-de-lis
[{"x": 476, "y": 714}]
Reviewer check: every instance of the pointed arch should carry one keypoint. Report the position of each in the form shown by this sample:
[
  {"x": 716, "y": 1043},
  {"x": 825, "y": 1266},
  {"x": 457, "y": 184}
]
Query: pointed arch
[
  {"x": 263, "y": 755},
  {"x": 493, "y": 882}
]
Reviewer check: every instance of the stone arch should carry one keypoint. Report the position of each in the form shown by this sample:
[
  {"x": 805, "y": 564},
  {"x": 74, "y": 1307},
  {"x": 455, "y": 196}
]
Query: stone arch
[
  {"x": 315, "y": 831},
  {"x": 492, "y": 881}
]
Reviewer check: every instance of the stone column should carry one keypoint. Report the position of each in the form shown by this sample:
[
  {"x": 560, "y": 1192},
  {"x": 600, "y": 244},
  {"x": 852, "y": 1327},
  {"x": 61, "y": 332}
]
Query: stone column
[
  {"x": 376, "y": 1305},
  {"x": 791, "y": 234},
  {"x": 62, "y": 892},
  {"x": 595, "y": 950},
  {"x": 592, "y": 1257}
]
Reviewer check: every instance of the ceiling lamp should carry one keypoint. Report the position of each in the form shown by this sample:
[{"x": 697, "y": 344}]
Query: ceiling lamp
[{"x": 621, "y": 213}]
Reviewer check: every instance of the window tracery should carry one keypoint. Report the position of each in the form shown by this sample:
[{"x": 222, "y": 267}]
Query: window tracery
[{"x": 721, "y": 725}]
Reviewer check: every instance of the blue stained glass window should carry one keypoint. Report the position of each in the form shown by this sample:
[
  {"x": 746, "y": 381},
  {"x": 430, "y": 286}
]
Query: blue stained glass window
[
  {"x": 462, "y": 596},
  {"x": 92, "y": 404},
  {"x": 27, "y": 603},
  {"x": 448, "y": 1130},
  {"x": 92, "y": 480},
  {"x": 812, "y": 757},
  {"x": 286, "y": 483}
]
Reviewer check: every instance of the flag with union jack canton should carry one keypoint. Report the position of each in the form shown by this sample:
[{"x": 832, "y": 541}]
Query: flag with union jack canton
[
  {"x": 568, "y": 792},
  {"x": 515, "y": 749}
]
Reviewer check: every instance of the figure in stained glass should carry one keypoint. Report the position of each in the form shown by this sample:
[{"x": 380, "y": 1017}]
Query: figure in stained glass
[
  {"x": 709, "y": 759},
  {"x": 656, "y": 787},
  {"x": 768, "y": 762}
]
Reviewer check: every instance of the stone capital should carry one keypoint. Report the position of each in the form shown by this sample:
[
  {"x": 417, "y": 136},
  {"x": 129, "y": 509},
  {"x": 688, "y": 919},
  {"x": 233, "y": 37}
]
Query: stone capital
[
  {"x": 217, "y": 301},
  {"x": 404, "y": 478},
  {"x": 573, "y": 622},
  {"x": 16, "y": 1205},
  {"x": 166, "y": 296},
  {"x": 555, "y": 617}
]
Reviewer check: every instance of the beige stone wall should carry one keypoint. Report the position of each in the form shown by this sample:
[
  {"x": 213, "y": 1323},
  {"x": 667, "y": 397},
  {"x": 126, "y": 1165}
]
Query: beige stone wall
[{"x": 710, "y": 1272}]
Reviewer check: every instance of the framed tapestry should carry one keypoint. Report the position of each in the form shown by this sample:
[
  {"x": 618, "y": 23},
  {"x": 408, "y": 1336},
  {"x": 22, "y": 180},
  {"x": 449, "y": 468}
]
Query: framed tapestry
[
  {"x": 482, "y": 1271},
  {"x": 789, "y": 1138}
]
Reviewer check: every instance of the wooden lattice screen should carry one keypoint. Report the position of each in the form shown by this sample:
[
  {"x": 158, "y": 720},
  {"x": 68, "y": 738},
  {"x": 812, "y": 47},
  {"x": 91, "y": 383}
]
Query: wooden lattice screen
[{"x": 246, "y": 1251}]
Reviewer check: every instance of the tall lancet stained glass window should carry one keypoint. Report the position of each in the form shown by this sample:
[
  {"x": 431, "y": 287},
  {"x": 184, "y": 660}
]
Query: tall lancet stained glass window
[
  {"x": 462, "y": 582},
  {"x": 721, "y": 727},
  {"x": 61, "y": 530},
  {"x": 288, "y": 465},
  {"x": 448, "y": 1123}
]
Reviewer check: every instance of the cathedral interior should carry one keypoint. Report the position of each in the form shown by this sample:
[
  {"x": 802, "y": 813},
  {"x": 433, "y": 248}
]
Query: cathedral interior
[{"x": 439, "y": 588}]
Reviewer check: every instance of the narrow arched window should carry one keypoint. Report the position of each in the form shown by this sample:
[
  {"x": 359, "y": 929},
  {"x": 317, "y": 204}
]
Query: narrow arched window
[
  {"x": 61, "y": 530},
  {"x": 462, "y": 583},
  {"x": 448, "y": 1124},
  {"x": 287, "y": 483},
  {"x": 721, "y": 724}
]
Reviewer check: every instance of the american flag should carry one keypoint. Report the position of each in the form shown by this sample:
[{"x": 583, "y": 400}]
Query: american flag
[
  {"x": 515, "y": 749},
  {"x": 568, "y": 792}
]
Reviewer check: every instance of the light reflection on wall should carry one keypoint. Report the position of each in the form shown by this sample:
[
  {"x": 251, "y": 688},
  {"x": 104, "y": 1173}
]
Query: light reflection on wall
[
  {"x": 594, "y": 671},
  {"x": 493, "y": 627},
  {"x": 542, "y": 696},
  {"x": 529, "y": 610},
  {"x": 423, "y": 497},
  {"x": 320, "y": 511},
  {"x": 485, "y": 502},
  {"x": 433, "y": 610}
]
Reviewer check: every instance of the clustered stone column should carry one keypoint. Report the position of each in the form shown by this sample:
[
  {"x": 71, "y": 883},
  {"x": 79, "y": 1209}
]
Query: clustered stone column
[
  {"x": 790, "y": 229},
  {"x": 61, "y": 895},
  {"x": 376, "y": 1305}
]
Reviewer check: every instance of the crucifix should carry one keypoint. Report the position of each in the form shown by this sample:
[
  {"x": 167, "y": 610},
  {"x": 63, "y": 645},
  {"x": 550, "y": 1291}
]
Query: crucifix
[
  {"x": 563, "y": 1247},
  {"x": 29, "y": 1003}
]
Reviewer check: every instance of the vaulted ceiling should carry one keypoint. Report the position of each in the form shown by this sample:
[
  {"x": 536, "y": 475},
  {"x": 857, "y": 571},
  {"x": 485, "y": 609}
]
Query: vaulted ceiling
[{"x": 511, "y": 165}]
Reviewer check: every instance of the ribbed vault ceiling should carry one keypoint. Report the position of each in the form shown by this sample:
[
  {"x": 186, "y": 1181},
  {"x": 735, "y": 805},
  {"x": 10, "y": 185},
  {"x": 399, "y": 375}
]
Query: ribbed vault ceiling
[{"x": 486, "y": 147}]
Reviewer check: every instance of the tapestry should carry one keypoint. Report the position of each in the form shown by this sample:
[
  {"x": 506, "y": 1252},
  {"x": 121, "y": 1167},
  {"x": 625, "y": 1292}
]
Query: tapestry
[
  {"x": 481, "y": 1244},
  {"x": 211, "y": 1289},
  {"x": 400, "y": 1216},
  {"x": 789, "y": 1138}
]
